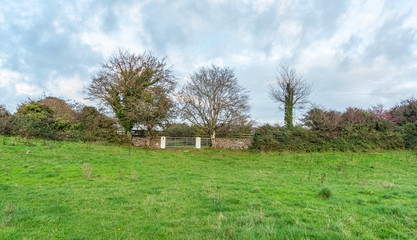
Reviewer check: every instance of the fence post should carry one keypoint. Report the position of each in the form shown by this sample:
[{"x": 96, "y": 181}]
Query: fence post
[
  {"x": 163, "y": 142},
  {"x": 198, "y": 142}
]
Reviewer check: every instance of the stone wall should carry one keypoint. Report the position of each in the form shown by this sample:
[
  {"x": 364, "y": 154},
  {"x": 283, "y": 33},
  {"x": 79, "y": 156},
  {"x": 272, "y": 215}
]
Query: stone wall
[
  {"x": 141, "y": 142},
  {"x": 234, "y": 143}
]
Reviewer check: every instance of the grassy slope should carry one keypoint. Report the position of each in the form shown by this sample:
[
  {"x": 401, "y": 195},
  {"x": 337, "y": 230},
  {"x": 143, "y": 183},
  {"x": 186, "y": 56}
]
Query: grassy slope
[{"x": 203, "y": 194}]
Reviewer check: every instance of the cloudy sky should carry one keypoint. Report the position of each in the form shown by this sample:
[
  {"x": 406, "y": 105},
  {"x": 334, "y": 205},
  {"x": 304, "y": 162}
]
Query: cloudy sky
[{"x": 354, "y": 53}]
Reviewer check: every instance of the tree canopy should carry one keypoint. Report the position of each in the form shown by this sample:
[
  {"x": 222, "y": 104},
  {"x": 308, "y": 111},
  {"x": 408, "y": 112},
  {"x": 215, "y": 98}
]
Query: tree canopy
[{"x": 135, "y": 87}]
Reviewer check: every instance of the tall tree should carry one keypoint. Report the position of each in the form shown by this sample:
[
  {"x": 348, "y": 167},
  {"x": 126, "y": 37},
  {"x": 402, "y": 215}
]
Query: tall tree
[
  {"x": 213, "y": 100},
  {"x": 127, "y": 79},
  {"x": 290, "y": 90}
]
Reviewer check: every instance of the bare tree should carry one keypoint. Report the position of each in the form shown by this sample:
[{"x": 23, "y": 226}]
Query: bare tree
[
  {"x": 213, "y": 100},
  {"x": 291, "y": 90},
  {"x": 125, "y": 80}
]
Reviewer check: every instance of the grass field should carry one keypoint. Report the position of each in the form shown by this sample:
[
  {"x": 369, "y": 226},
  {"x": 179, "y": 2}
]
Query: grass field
[{"x": 206, "y": 194}]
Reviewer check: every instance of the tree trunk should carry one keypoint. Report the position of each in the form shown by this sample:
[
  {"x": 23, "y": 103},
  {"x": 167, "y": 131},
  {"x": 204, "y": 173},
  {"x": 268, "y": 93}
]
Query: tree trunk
[
  {"x": 149, "y": 137},
  {"x": 129, "y": 135},
  {"x": 288, "y": 115},
  {"x": 213, "y": 139},
  {"x": 289, "y": 105}
]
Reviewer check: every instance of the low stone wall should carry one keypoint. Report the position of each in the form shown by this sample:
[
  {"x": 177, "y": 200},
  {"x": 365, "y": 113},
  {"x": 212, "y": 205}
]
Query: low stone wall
[
  {"x": 141, "y": 142},
  {"x": 233, "y": 143}
]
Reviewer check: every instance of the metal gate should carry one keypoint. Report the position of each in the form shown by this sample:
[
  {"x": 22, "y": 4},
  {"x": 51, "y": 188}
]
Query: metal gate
[{"x": 186, "y": 142}]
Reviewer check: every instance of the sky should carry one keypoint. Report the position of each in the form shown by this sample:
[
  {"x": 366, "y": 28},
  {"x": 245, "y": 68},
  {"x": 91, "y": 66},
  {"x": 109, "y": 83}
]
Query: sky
[{"x": 356, "y": 53}]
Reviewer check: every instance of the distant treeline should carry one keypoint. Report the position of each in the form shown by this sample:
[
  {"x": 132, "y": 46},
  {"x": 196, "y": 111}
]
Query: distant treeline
[
  {"x": 352, "y": 130},
  {"x": 56, "y": 119},
  {"x": 320, "y": 130}
]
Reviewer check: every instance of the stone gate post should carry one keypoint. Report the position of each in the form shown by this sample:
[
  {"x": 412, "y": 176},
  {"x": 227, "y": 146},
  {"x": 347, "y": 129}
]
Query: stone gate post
[
  {"x": 198, "y": 142},
  {"x": 163, "y": 142}
]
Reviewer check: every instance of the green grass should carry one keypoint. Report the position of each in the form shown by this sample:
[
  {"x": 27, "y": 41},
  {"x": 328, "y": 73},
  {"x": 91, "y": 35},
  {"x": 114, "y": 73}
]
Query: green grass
[{"x": 203, "y": 194}]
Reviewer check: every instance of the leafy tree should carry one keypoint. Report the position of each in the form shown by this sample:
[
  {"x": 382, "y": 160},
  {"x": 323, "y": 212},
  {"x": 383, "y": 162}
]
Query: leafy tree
[
  {"x": 151, "y": 109},
  {"x": 291, "y": 90},
  {"x": 36, "y": 111},
  {"x": 5, "y": 119},
  {"x": 95, "y": 126},
  {"x": 34, "y": 119},
  {"x": 213, "y": 100},
  {"x": 61, "y": 109},
  {"x": 129, "y": 84}
]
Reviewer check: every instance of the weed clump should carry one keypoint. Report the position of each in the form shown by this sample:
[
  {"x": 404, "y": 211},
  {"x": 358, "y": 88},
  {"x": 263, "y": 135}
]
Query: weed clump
[
  {"x": 87, "y": 170},
  {"x": 133, "y": 175},
  {"x": 325, "y": 193}
]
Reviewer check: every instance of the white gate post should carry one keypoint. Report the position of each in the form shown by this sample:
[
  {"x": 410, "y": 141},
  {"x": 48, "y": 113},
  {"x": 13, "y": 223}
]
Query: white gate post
[
  {"x": 163, "y": 142},
  {"x": 198, "y": 142}
]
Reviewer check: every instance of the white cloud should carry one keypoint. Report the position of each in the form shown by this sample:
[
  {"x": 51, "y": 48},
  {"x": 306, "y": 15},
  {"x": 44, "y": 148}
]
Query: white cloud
[
  {"x": 358, "y": 49},
  {"x": 262, "y": 6},
  {"x": 26, "y": 89},
  {"x": 7, "y": 78},
  {"x": 69, "y": 87}
]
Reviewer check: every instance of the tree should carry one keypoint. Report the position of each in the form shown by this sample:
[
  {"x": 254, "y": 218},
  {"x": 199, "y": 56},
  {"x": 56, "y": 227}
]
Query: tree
[
  {"x": 213, "y": 100},
  {"x": 95, "y": 126},
  {"x": 5, "y": 118},
  {"x": 62, "y": 110},
  {"x": 36, "y": 111},
  {"x": 34, "y": 119},
  {"x": 291, "y": 90},
  {"x": 127, "y": 83},
  {"x": 153, "y": 108}
]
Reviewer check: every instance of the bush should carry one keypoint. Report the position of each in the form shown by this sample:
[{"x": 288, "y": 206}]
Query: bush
[
  {"x": 325, "y": 193},
  {"x": 265, "y": 138},
  {"x": 351, "y": 138},
  {"x": 94, "y": 126},
  {"x": 353, "y": 130},
  {"x": 5, "y": 121},
  {"x": 409, "y": 132}
]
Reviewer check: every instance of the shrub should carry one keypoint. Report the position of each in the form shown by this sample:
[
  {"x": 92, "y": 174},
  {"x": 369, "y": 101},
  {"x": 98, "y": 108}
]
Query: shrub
[
  {"x": 325, "y": 193},
  {"x": 265, "y": 138},
  {"x": 409, "y": 132},
  {"x": 405, "y": 112},
  {"x": 95, "y": 126},
  {"x": 5, "y": 121},
  {"x": 353, "y": 130}
]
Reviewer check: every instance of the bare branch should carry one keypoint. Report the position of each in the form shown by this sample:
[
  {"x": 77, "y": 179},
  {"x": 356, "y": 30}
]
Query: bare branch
[{"x": 213, "y": 99}]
